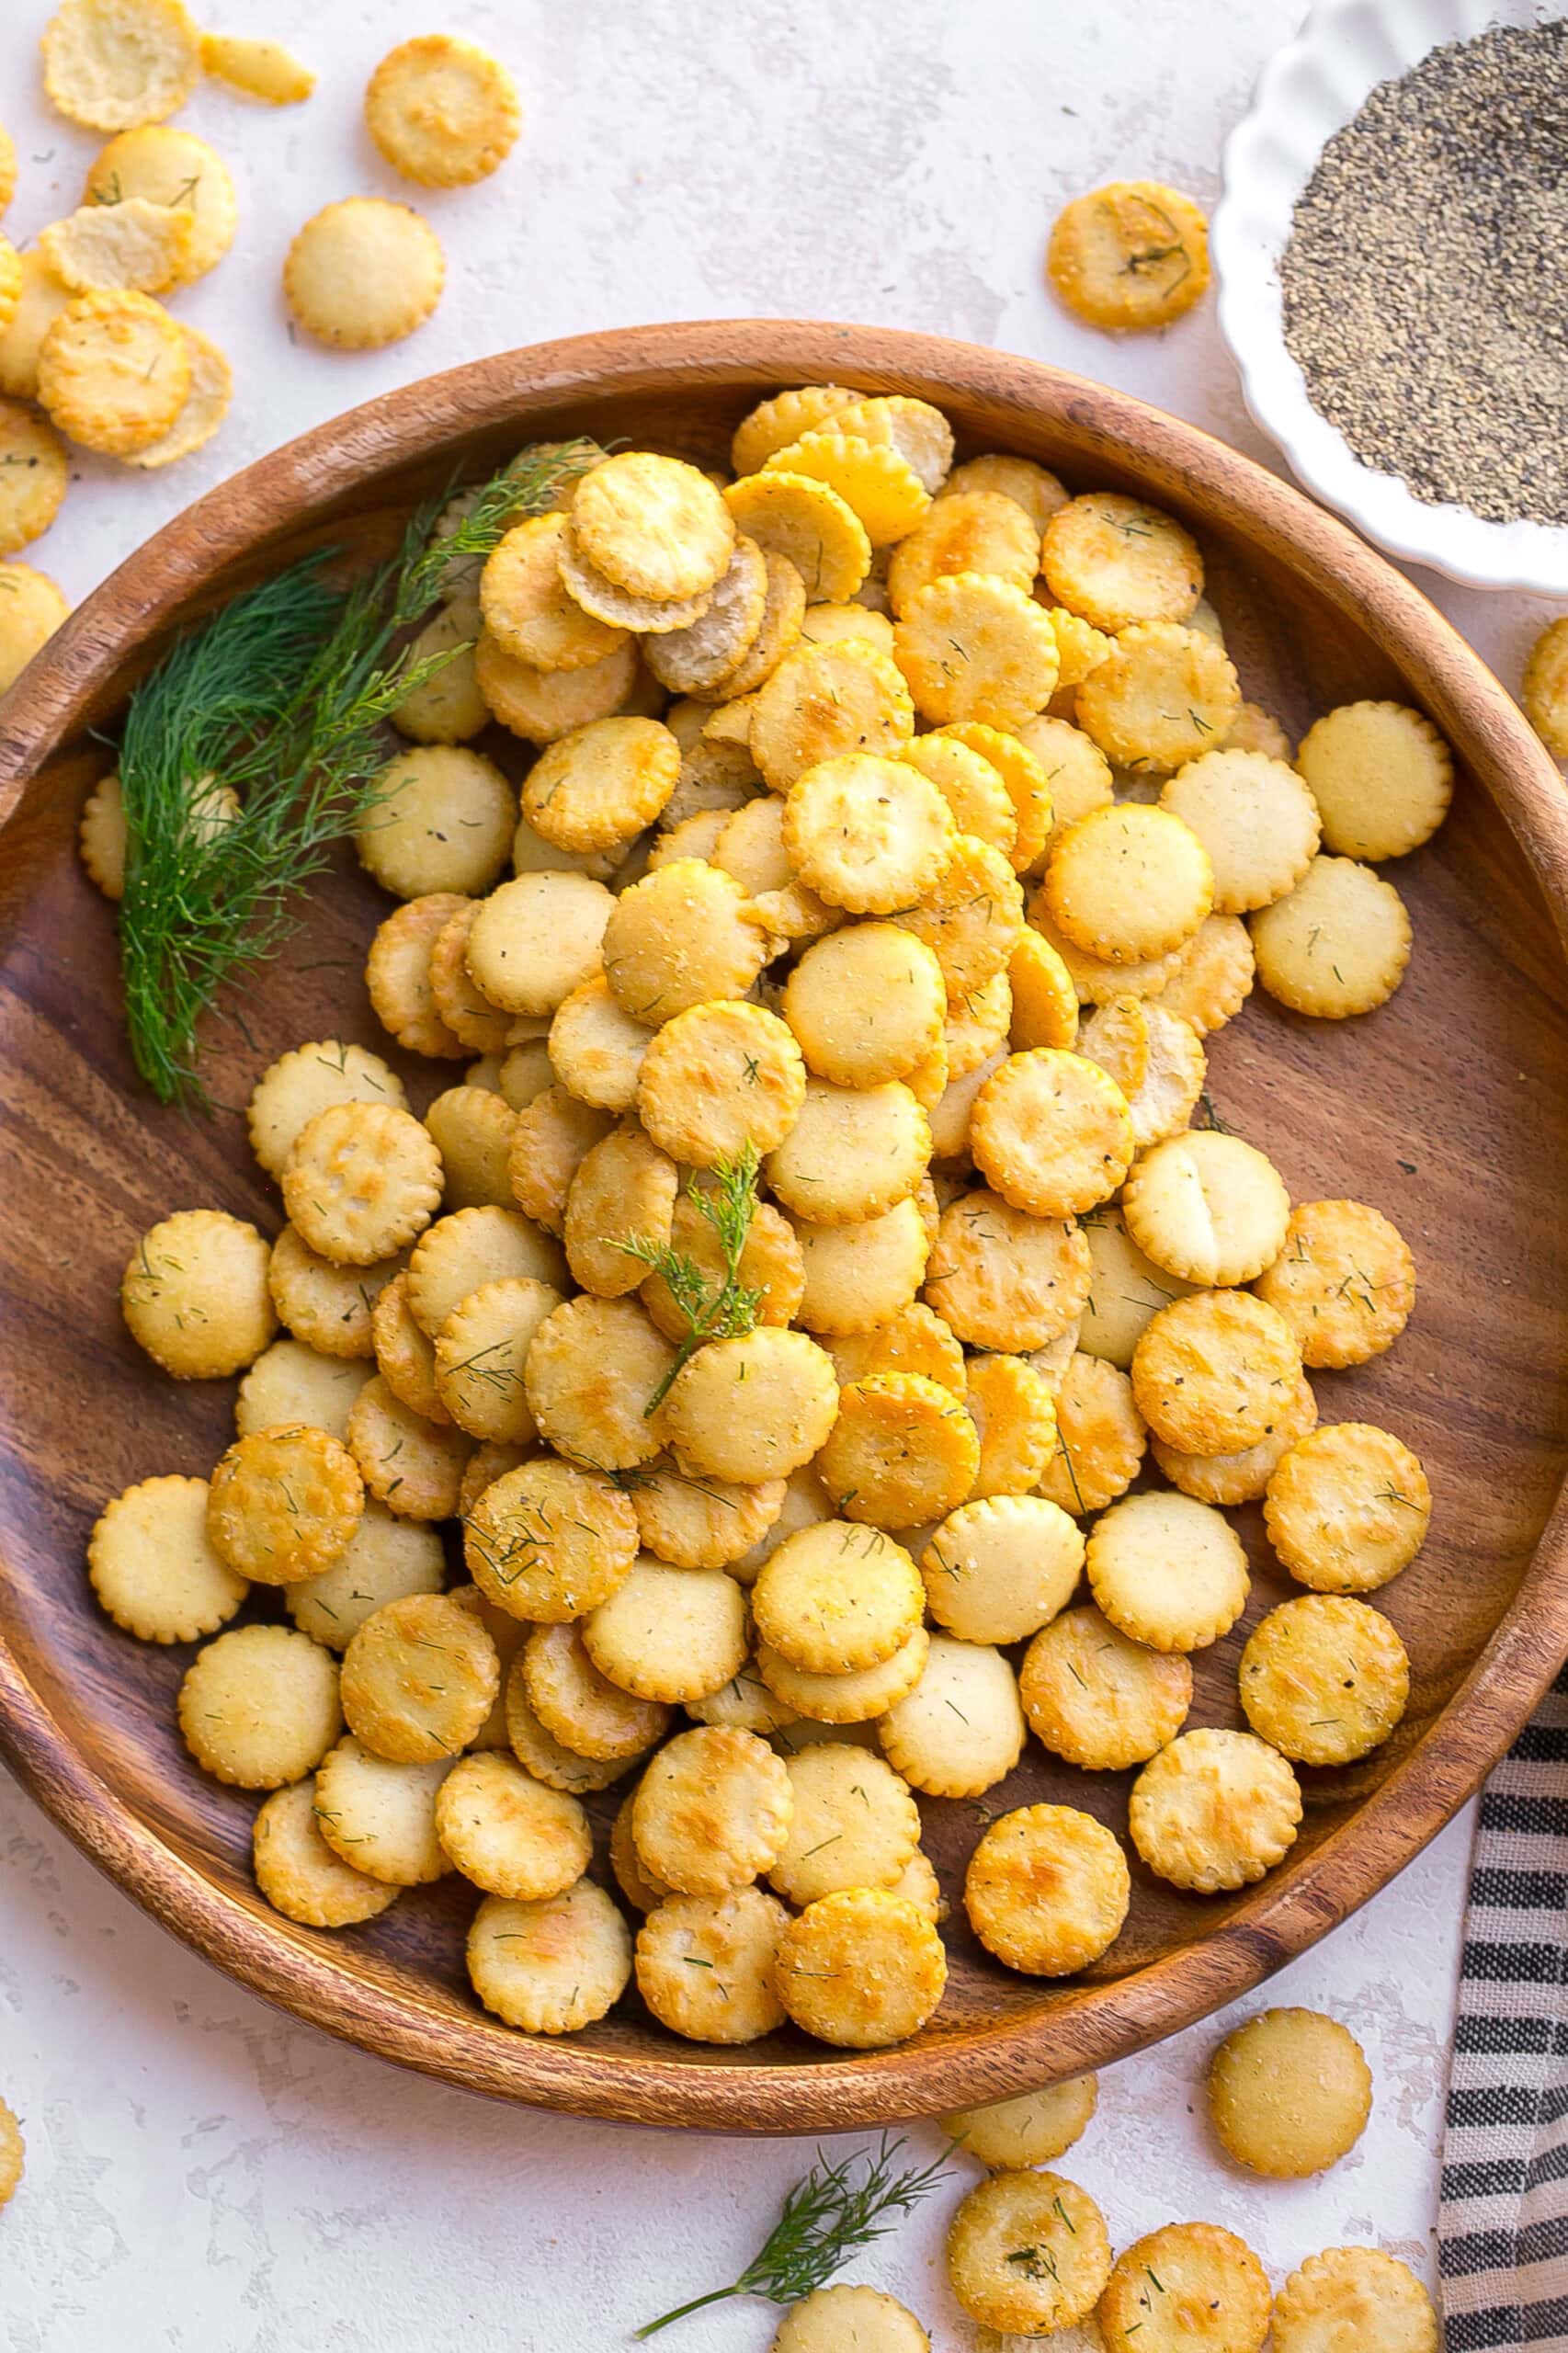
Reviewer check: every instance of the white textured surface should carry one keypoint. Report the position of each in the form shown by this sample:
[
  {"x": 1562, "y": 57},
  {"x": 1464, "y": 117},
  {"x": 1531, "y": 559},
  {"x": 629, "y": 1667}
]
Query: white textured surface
[
  {"x": 1312, "y": 87},
  {"x": 202, "y": 2174}
]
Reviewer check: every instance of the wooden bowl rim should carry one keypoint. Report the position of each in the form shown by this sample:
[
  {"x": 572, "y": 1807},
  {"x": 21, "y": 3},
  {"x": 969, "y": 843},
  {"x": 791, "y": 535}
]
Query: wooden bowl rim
[{"x": 1094, "y": 2024}]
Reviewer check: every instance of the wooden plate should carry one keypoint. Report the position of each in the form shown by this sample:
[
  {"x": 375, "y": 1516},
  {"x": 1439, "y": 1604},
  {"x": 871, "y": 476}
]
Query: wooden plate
[{"x": 1448, "y": 1108}]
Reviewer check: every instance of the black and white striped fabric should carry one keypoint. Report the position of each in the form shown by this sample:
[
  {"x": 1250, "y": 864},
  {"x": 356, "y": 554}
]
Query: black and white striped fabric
[{"x": 1504, "y": 2222}]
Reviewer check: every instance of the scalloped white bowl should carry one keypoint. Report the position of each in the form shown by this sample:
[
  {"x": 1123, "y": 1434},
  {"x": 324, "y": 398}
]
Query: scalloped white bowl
[{"x": 1309, "y": 90}]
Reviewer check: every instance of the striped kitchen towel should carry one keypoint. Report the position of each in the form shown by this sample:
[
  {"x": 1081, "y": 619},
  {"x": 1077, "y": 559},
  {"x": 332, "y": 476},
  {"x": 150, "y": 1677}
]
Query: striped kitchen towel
[{"x": 1502, "y": 2225}]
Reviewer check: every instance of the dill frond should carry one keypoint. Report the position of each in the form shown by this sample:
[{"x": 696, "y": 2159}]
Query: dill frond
[
  {"x": 280, "y": 699},
  {"x": 831, "y": 2211},
  {"x": 527, "y": 485},
  {"x": 713, "y": 1311}
]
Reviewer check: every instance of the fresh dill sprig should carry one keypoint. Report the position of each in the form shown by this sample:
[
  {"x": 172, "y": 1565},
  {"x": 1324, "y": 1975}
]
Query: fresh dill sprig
[
  {"x": 279, "y": 705},
  {"x": 831, "y": 2211},
  {"x": 278, "y": 702},
  {"x": 527, "y": 485},
  {"x": 713, "y": 1311}
]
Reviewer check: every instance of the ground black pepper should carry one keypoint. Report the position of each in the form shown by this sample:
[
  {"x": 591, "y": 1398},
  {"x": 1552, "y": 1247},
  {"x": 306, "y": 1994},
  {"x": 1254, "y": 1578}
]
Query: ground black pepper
[{"x": 1426, "y": 279}]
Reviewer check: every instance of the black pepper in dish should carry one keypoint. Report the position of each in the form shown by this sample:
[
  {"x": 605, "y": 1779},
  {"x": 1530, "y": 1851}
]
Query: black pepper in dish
[{"x": 1426, "y": 277}]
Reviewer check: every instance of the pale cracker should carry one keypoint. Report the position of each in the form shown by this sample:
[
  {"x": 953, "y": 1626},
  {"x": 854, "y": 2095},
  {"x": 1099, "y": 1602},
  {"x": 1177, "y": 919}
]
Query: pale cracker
[
  {"x": 1347, "y": 1508},
  {"x": 1028, "y": 2252},
  {"x": 856, "y": 1277},
  {"x": 998, "y": 1569},
  {"x": 1214, "y": 1811},
  {"x": 34, "y": 470},
  {"x": 442, "y": 110},
  {"x": 970, "y": 917},
  {"x": 441, "y": 819},
  {"x": 1241, "y": 1476},
  {"x": 525, "y": 607},
  {"x": 807, "y": 523},
  {"x": 552, "y": 1967},
  {"x": 1337, "y": 945},
  {"x": 1343, "y": 1281},
  {"x": 113, "y": 63},
  {"x": 537, "y": 939},
  {"x": 407, "y": 1464},
  {"x": 1382, "y": 777},
  {"x": 1209, "y": 1207},
  {"x": 712, "y": 1810},
  {"x": 363, "y": 273},
  {"x": 1032, "y": 486},
  {"x": 1354, "y": 2297},
  {"x": 1167, "y": 1571},
  {"x": 849, "y": 1154},
  {"x": 195, "y": 1296},
  {"x": 1099, "y": 1699},
  {"x": 384, "y": 1559},
  {"x": 1190, "y": 2285},
  {"x": 380, "y": 1817},
  {"x": 960, "y": 1730},
  {"x": 1212, "y": 1371},
  {"x": 902, "y": 1451},
  {"x": 1100, "y": 1437},
  {"x": 1115, "y": 561},
  {"x": 1212, "y": 977},
  {"x": 153, "y": 1568},
  {"x": 755, "y": 1406},
  {"x": 670, "y": 1634},
  {"x": 974, "y": 531},
  {"x": 844, "y": 1699},
  {"x": 258, "y": 1707},
  {"x": 1127, "y": 884},
  {"x": 290, "y": 1382},
  {"x": 304, "y": 1081},
  {"x": 298, "y": 1871},
  {"x": 862, "y": 1969},
  {"x": 1254, "y": 817}
]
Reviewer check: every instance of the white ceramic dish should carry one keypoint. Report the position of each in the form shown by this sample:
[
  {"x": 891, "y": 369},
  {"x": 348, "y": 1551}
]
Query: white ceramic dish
[{"x": 1308, "y": 91}]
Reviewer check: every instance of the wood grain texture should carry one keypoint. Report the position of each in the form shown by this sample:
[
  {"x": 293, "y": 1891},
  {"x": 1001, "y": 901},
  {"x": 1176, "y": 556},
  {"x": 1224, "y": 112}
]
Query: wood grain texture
[{"x": 1448, "y": 1109}]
